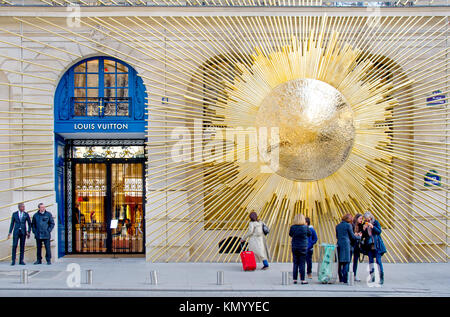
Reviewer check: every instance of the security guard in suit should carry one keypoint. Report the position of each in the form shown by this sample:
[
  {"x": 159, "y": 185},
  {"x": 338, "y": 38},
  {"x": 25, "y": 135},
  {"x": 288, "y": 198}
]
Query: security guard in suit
[{"x": 19, "y": 221}]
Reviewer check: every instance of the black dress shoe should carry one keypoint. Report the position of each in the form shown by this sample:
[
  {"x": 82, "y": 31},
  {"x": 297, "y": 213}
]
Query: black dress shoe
[
  {"x": 13, "y": 263},
  {"x": 22, "y": 263},
  {"x": 37, "y": 262}
]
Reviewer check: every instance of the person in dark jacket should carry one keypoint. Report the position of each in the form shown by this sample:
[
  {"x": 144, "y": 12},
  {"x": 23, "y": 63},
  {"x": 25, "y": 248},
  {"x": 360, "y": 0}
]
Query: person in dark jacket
[
  {"x": 373, "y": 245},
  {"x": 311, "y": 242},
  {"x": 42, "y": 225},
  {"x": 299, "y": 232},
  {"x": 345, "y": 237},
  {"x": 19, "y": 222},
  {"x": 356, "y": 251}
]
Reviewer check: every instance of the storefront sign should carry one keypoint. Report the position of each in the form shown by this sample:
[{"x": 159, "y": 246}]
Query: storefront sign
[
  {"x": 432, "y": 178},
  {"x": 100, "y": 126},
  {"x": 437, "y": 98}
]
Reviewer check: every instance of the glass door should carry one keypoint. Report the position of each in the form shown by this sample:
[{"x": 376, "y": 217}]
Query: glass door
[
  {"x": 108, "y": 212},
  {"x": 105, "y": 193},
  {"x": 127, "y": 207},
  {"x": 89, "y": 210}
]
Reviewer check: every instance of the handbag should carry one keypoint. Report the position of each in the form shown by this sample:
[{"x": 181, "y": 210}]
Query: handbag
[
  {"x": 368, "y": 245},
  {"x": 265, "y": 229}
]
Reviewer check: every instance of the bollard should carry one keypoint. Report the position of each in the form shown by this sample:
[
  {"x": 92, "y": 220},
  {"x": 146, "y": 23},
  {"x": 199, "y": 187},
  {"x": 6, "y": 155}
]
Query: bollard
[
  {"x": 24, "y": 276},
  {"x": 284, "y": 278},
  {"x": 220, "y": 278},
  {"x": 153, "y": 278},
  {"x": 351, "y": 277},
  {"x": 89, "y": 277}
]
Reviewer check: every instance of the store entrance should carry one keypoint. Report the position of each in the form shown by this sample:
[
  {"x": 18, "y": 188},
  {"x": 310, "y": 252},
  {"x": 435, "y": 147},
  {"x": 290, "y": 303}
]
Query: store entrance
[{"x": 108, "y": 202}]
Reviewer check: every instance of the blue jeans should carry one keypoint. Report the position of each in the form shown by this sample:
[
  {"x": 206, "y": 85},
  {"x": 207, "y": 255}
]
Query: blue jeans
[
  {"x": 343, "y": 271},
  {"x": 309, "y": 255},
  {"x": 374, "y": 254},
  {"x": 299, "y": 257}
]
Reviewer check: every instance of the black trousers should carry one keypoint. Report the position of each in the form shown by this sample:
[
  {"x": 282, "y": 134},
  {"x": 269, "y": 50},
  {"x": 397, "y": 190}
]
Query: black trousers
[
  {"x": 18, "y": 238},
  {"x": 309, "y": 256},
  {"x": 48, "y": 252},
  {"x": 343, "y": 271},
  {"x": 355, "y": 254},
  {"x": 299, "y": 257}
]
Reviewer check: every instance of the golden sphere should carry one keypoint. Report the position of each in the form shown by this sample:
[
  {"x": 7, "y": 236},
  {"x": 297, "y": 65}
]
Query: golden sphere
[{"x": 316, "y": 130}]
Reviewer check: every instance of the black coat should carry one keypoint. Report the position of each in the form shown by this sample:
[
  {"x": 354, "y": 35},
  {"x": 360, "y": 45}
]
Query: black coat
[
  {"x": 356, "y": 245},
  {"x": 345, "y": 238},
  {"x": 20, "y": 225},
  {"x": 300, "y": 235},
  {"x": 377, "y": 240},
  {"x": 42, "y": 225}
]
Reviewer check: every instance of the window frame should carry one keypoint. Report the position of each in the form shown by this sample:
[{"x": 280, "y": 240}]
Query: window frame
[{"x": 131, "y": 73}]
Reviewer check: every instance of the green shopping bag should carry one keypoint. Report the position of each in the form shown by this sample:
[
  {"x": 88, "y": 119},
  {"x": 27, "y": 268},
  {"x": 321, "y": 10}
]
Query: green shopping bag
[{"x": 325, "y": 273}]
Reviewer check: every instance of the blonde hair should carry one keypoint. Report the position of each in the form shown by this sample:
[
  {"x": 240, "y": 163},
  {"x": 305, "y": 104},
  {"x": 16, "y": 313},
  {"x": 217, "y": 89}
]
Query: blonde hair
[{"x": 299, "y": 220}]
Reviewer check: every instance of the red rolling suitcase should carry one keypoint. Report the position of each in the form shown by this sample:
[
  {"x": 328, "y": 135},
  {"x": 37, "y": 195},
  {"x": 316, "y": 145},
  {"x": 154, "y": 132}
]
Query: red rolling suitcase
[{"x": 248, "y": 260}]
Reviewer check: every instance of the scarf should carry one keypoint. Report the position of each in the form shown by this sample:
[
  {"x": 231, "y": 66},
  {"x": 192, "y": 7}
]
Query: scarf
[{"x": 369, "y": 229}]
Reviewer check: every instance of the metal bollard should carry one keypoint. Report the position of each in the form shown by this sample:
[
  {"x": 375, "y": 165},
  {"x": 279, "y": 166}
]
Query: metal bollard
[
  {"x": 24, "y": 276},
  {"x": 220, "y": 278},
  {"x": 284, "y": 278},
  {"x": 153, "y": 278},
  {"x": 351, "y": 277},
  {"x": 89, "y": 277}
]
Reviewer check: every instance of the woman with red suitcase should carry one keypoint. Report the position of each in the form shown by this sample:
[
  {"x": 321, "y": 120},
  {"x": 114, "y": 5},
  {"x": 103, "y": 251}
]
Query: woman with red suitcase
[{"x": 256, "y": 240}]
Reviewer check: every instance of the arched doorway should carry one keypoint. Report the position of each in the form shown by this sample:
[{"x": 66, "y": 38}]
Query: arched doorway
[{"x": 99, "y": 111}]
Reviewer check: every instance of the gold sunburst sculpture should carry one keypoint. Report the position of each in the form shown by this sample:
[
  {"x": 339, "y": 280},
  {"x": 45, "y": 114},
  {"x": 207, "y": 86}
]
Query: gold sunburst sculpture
[
  {"x": 319, "y": 98},
  {"x": 327, "y": 111}
]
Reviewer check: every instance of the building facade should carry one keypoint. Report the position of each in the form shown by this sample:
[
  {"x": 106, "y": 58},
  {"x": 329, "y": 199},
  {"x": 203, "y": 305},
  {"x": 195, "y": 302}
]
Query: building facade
[{"x": 142, "y": 125}]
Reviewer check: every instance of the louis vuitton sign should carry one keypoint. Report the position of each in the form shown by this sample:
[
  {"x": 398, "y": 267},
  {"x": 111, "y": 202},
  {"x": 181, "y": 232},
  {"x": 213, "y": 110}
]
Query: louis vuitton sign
[{"x": 100, "y": 126}]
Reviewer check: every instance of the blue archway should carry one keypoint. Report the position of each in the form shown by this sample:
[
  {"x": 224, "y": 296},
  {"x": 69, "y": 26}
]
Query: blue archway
[{"x": 98, "y": 97}]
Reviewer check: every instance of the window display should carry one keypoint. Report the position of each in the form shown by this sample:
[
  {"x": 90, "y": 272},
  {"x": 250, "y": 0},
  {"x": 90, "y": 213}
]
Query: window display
[{"x": 108, "y": 213}]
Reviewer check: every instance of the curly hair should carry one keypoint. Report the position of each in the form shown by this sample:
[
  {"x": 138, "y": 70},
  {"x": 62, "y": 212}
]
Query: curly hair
[{"x": 253, "y": 216}]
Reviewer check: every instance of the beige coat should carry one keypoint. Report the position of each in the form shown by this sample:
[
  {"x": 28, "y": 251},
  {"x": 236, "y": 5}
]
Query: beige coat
[{"x": 256, "y": 240}]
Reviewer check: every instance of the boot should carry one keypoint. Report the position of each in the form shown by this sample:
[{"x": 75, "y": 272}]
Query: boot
[
  {"x": 372, "y": 276},
  {"x": 381, "y": 278}
]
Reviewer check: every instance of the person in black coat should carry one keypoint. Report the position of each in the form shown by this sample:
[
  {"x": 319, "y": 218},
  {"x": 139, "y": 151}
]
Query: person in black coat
[
  {"x": 19, "y": 221},
  {"x": 299, "y": 232},
  {"x": 356, "y": 250},
  {"x": 345, "y": 237},
  {"x": 42, "y": 225},
  {"x": 373, "y": 245}
]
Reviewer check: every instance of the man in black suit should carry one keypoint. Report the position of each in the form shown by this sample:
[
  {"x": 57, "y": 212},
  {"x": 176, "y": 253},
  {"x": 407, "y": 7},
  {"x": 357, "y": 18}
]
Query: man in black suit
[{"x": 19, "y": 221}]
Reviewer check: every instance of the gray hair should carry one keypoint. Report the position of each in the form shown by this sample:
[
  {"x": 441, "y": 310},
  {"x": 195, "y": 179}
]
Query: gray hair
[{"x": 369, "y": 215}]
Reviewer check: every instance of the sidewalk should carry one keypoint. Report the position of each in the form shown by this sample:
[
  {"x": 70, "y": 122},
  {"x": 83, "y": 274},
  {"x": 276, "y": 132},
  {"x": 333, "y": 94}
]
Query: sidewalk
[{"x": 131, "y": 277}]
